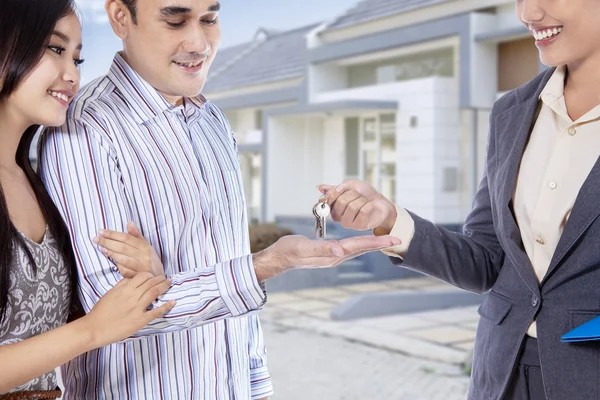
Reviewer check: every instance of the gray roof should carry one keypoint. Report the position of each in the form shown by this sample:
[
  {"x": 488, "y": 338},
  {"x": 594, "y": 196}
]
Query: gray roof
[
  {"x": 270, "y": 57},
  {"x": 368, "y": 10}
]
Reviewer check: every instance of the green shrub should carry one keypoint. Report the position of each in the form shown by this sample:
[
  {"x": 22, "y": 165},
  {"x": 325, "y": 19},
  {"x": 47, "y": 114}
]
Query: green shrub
[{"x": 264, "y": 235}]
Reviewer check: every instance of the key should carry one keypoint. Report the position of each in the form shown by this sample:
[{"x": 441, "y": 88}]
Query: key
[
  {"x": 321, "y": 211},
  {"x": 317, "y": 231}
]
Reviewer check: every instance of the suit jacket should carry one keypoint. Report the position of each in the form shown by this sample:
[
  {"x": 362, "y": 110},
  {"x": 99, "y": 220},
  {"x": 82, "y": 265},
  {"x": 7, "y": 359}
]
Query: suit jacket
[{"x": 489, "y": 256}]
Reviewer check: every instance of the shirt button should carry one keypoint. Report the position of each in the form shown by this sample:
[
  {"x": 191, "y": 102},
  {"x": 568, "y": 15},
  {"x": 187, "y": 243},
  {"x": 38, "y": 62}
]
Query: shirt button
[
  {"x": 552, "y": 185},
  {"x": 540, "y": 241},
  {"x": 572, "y": 131},
  {"x": 534, "y": 301},
  {"x": 217, "y": 218}
]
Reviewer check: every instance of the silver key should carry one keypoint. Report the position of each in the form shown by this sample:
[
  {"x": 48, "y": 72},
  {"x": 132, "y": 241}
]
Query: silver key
[{"x": 321, "y": 211}]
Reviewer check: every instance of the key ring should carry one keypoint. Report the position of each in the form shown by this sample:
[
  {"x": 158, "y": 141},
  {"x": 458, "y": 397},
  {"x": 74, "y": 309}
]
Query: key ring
[{"x": 324, "y": 195}]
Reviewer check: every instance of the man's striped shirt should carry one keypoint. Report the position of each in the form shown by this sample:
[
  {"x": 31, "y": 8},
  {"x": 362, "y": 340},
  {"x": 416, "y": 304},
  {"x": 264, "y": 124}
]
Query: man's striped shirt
[{"x": 126, "y": 154}]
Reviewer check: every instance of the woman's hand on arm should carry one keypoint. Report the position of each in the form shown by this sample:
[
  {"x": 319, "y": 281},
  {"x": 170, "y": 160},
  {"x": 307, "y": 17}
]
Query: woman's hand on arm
[{"x": 120, "y": 313}]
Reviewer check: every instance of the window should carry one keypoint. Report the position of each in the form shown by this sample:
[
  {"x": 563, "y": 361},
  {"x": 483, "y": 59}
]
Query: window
[
  {"x": 422, "y": 65},
  {"x": 371, "y": 151}
]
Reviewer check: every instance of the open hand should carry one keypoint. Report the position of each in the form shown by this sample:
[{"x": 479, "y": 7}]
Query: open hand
[{"x": 298, "y": 252}]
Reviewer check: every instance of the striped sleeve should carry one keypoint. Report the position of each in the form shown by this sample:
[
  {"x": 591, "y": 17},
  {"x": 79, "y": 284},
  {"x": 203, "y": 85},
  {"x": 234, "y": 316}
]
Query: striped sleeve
[
  {"x": 260, "y": 379},
  {"x": 83, "y": 178}
]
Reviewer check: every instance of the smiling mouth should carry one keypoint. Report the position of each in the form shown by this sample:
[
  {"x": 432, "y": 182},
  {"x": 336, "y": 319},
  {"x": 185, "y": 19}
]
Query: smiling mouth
[
  {"x": 548, "y": 33},
  {"x": 189, "y": 65},
  {"x": 58, "y": 95}
]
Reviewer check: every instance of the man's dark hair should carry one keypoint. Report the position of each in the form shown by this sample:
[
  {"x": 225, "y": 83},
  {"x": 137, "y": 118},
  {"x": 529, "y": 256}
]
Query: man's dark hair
[{"x": 131, "y": 6}]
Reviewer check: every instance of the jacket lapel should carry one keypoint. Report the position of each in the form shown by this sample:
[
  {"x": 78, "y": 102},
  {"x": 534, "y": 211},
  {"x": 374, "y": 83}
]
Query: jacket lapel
[
  {"x": 516, "y": 131},
  {"x": 513, "y": 128}
]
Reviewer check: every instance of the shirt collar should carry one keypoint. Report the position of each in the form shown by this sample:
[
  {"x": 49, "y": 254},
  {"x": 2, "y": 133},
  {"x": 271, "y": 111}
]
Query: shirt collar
[
  {"x": 144, "y": 100},
  {"x": 555, "y": 87},
  {"x": 553, "y": 96}
]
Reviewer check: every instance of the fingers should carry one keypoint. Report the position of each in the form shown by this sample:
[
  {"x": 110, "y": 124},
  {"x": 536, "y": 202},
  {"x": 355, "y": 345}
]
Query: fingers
[
  {"x": 133, "y": 231},
  {"x": 368, "y": 216},
  {"x": 307, "y": 248},
  {"x": 339, "y": 205},
  {"x": 140, "y": 279},
  {"x": 317, "y": 254},
  {"x": 314, "y": 249},
  {"x": 150, "y": 283},
  {"x": 153, "y": 288},
  {"x": 368, "y": 243},
  {"x": 352, "y": 211},
  {"x": 128, "y": 249},
  {"x": 325, "y": 188},
  {"x": 115, "y": 246},
  {"x": 333, "y": 192},
  {"x": 120, "y": 237},
  {"x": 160, "y": 311},
  {"x": 126, "y": 261}
]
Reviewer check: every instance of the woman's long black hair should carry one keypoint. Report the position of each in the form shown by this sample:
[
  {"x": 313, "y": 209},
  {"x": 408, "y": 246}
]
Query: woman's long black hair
[{"x": 25, "y": 30}]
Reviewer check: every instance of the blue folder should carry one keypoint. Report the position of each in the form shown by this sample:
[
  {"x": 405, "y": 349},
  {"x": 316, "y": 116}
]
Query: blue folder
[{"x": 584, "y": 333}]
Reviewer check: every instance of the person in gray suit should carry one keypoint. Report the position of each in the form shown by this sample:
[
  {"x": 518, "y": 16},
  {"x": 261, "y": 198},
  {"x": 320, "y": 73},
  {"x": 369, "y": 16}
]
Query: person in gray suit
[{"x": 532, "y": 239}]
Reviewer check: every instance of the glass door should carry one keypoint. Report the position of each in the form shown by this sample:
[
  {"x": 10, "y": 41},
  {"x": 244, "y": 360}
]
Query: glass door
[{"x": 378, "y": 153}]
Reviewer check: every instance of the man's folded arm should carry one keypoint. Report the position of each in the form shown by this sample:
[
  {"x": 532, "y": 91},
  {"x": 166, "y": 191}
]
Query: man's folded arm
[{"x": 79, "y": 169}]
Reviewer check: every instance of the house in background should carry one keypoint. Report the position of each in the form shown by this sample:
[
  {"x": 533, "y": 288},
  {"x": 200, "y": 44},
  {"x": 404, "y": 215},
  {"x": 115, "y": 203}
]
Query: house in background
[{"x": 394, "y": 92}]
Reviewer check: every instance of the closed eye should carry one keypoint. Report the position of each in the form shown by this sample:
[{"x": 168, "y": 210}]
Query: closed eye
[{"x": 176, "y": 24}]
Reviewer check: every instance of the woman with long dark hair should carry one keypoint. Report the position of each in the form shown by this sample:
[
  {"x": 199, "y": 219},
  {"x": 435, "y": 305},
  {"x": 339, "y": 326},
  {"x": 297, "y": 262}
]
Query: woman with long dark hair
[{"x": 40, "y": 43}]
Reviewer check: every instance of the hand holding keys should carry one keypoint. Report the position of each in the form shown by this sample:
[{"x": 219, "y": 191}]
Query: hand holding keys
[{"x": 299, "y": 252}]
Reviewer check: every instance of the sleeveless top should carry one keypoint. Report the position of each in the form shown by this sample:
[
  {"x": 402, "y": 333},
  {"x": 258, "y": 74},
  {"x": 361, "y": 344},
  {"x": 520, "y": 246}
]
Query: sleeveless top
[{"x": 37, "y": 302}]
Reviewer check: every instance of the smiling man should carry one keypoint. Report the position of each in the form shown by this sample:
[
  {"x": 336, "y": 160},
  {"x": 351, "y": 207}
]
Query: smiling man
[{"x": 141, "y": 144}]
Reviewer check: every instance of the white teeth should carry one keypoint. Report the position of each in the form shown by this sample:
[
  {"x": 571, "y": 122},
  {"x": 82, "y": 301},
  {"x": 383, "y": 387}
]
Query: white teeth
[
  {"x": 541, "y": 35},
  {"x": 61, "y": 96}
]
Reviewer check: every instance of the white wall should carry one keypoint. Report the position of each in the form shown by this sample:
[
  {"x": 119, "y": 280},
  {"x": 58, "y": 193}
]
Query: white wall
[
  {"x": 326, "y": 77},
  {"x": 334, "y": 154},
  {"x": 243, "y": 123},
  {"x": 506, "y": 17},
  {"x": 295, "y": 165}
]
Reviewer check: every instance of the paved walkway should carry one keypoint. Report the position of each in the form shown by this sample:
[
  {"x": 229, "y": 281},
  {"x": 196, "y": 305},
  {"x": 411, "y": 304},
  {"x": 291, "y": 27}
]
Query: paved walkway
[
  {"x": 444, "y": 335},
  {"x": 309, "y": 366}
]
